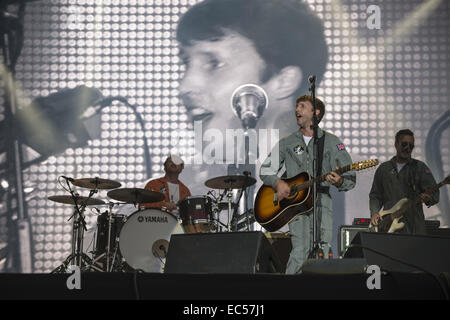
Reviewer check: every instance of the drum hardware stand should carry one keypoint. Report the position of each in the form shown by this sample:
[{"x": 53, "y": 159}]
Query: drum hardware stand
[
  {"x": 247, "y": 211},
  {"x": 230, "y": 201},
  {"x": 77, "y": 257},
  {"x": 219, "y": 224},
  {"x": 107, "y": 254},
  {"x": 114, "y": 257}
]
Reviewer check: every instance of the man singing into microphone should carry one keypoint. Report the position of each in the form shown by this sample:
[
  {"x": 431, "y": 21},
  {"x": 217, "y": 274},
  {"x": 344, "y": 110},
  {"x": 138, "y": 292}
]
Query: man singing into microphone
[
  {"x": 296, "y": 152},
  {"x": 403, "y": 177}
]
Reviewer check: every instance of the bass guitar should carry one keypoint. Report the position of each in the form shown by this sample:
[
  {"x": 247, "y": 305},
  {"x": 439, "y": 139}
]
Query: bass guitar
[
  {"x": 273, "y": 214},
  {"x": 391, "y": 218}
]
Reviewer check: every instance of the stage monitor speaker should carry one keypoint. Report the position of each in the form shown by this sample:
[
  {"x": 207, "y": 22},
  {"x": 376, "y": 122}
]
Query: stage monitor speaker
[
  {"x": 334, "y": 266},
  {"x": 281, "y": 243},
  {"x": 223, "y": 252},
  {"x": 401, "y": 252},
  {"x": 346, "y": 235}
]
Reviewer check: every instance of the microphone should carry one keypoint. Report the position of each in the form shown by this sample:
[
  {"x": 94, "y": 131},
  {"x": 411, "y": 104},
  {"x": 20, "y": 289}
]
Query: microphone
[
  {"x": 97, "y": 106},
  {"x": 312, "y": 78},
  {"x": 51, "y": 124},
  {"x": 69, "y": 179},
  {"x": 248, "y": 103}
]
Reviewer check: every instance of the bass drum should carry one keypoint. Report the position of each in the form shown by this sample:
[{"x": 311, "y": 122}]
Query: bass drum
[{"x": 144, "y": 239}]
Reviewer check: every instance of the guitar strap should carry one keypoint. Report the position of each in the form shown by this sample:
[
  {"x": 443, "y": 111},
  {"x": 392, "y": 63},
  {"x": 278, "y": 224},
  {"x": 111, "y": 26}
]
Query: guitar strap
[
  {"x": 320, "y": 147},
  {"x": 412, "y": 177}
]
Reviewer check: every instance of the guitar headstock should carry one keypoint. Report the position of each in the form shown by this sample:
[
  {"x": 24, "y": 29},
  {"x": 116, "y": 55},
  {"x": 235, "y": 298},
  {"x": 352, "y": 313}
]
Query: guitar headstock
[{"x": 361, "y": 165}]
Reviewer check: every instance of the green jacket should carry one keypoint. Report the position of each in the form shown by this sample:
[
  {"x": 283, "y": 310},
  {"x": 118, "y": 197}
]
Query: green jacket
[
  {"x": 297, "y": 157},
  {"x": 389, "y": 186}
]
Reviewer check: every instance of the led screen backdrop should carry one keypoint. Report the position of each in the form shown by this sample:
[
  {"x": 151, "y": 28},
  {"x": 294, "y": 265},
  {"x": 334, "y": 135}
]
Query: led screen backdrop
[{"x": 376, "y": 82}]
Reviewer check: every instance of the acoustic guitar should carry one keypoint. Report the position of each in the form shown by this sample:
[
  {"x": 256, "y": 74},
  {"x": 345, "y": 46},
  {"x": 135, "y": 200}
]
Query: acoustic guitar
[{"x": 273, "y": 214}]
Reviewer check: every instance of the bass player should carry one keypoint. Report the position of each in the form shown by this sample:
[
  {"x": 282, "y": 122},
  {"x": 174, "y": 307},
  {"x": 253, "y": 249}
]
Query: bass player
[{"x": 403, "y": 177}]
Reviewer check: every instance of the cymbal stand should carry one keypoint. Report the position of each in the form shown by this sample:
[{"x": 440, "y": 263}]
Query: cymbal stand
[
  {"x": 108, "y": 246},
  {"x": 77, "y": 257},
  {"x": 229, "y": 193}
]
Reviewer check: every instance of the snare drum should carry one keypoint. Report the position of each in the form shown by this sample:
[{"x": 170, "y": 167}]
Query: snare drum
[
  {"x": 196, "y": 214},
  {"x": 145, "y": 232}
]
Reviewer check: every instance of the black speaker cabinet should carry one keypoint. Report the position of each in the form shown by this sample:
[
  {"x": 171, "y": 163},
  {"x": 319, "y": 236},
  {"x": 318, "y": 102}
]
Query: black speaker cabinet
[
  {"x": 281, "y": 243},
  {"x": 402, "y": 252},
  {"x": 223, "y": 252},
  {"x": 346, "y": 235}
]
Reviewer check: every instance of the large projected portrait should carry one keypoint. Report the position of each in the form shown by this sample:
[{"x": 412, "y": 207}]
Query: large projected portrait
[{"x": 120, "y": 114}]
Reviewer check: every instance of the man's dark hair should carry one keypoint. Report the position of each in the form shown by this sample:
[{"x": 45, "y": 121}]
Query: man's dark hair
[
  {"x": 403, "y": 132},
  {"x": 319, "y": 104},
  {"x": 284, "y": 32}
]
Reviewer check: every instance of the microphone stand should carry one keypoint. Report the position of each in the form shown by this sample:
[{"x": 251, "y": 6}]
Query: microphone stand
[
  {"x": 247, "y": 169},
  {"x": 77, "y": 256},
  {"x": 316, "y": 251}
]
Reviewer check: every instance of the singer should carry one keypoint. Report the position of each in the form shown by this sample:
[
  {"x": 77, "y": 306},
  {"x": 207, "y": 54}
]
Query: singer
[
  {"x": 403, "y": 177},
  {"x": 296, "y": 154}
]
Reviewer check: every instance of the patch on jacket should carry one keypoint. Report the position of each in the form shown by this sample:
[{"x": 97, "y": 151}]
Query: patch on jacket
[
  {"x": 299, "y": 149},
  {"x": 340, "y": 146}
]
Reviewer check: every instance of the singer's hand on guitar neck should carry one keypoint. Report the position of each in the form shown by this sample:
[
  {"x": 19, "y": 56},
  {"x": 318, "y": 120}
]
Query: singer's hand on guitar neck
[
  {"x": 334, "y": 178},
  {"x": 283, "y": 189}
]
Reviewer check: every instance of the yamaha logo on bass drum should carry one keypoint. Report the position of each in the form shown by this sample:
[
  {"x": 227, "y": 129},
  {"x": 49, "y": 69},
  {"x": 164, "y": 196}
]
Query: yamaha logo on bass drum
[{"x": 153, "y": 219}]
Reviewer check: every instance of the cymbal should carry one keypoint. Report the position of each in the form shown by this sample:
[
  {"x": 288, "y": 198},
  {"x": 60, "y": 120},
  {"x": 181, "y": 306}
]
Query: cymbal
[
  {"x": 230, "y": 182},
  {"x": 96, "y": 183},
  {"x": 135, "y": 195},
  {"x": 79, "y": 200}
]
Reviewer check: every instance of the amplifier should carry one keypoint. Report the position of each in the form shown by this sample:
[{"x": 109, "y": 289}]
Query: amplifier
[{"x": 346, "y": 235}]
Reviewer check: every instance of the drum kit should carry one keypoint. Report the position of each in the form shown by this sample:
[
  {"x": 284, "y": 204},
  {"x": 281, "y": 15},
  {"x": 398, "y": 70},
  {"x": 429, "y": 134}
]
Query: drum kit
[{"x": 140, "y": 240}]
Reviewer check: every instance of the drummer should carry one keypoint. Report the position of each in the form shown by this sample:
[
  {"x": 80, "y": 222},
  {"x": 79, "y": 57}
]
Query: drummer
[{"x": 173, "y": 189}]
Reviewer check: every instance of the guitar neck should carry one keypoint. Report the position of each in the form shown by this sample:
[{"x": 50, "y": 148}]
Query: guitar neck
[
  {"x": 430, "y": 191},
  {"x": 320, "y": 179},
  {"x": 338, "y": 171},
  {"x": 418, "y": 200}
]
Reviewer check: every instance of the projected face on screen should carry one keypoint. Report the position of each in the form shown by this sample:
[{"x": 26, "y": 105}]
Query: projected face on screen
[
  {"x": 228, "y": 43},
  {"x": 213, "y": 70}
]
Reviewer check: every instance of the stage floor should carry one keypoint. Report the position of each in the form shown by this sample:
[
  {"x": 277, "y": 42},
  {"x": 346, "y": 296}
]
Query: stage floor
[{"x": 224, "y": 287}]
